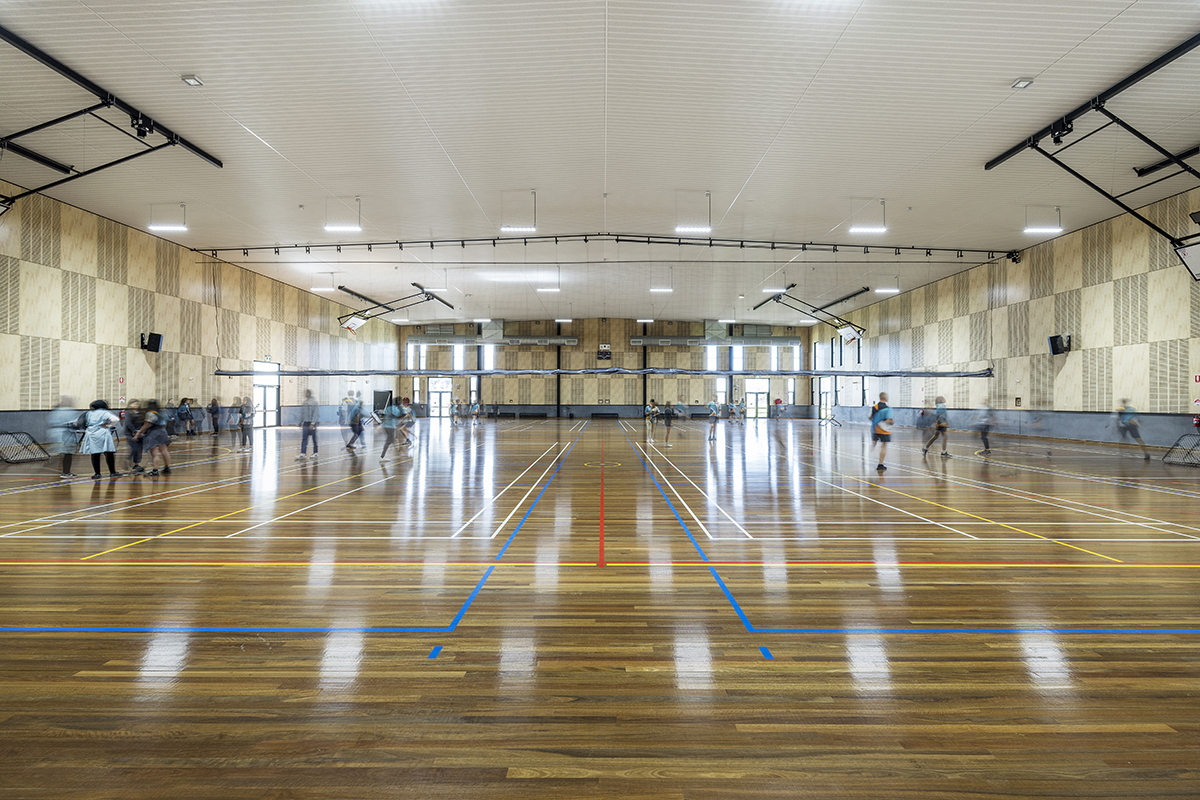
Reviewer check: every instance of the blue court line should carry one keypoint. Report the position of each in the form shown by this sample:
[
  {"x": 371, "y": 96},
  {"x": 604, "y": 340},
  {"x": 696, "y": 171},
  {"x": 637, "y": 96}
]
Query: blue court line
[
  {"x": 181, "y": 629},
  {"x": 513, "y": 535},
  {"x": 670, "y": 505},
  {"x": 435, "y": 652},
  {"x": 766, "y": 653}
]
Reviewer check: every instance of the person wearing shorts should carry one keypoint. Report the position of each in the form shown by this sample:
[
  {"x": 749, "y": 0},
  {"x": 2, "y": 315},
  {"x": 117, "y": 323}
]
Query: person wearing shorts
[
  {"x": 1127, "y": 423},
  {"x": 652, "y": 414},
  {"x": 408, "y": 421},
  {"x": 881, "y": 421},
  {"x": 668, "y": 416},
  {"x": 714, "y": 413},
  {"x": 941, "y": 422}
]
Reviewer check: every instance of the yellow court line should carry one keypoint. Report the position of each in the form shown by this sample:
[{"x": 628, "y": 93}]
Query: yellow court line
[
  {"x": 230, "y": 514},
  {"x": 967, "y": 513},
  {"x": 592, "y": 564}
]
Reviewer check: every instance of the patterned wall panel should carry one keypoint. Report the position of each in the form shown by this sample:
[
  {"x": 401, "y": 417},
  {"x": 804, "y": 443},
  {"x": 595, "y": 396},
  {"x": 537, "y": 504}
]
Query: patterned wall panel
[
  {"x": 246, "y": 293},
  {"x": 1041, "y": 271},
  {"x": 290, "y": 334},
  {"x": 229, "y": 332},
  {"x": 110, "y": 369},
  {"x": 278, "y": 302},
  {"x": 141, "y": 314},
  {"x": 1129, "y": 310},
  {"x": 166, "y": 374},
  {"x": 262, "y": 340},
  {"x": 1097, "y": 379},
  {"x": 41, "y": 231},
  {"x": 1169, "y": 368},
  {"x": 10, "y": 294},
  {"x": 190, "y": 329},
  {"x": 1018, "y": 329},
  {"x": 1067, "y": 307},
  {"x": 931, "y": 302},
  {"x": 961, "y": 284},
  {"x": 1097, "y": 253},
  {"x": 78, "y": 307},
  {"x": 166, "y": 262},
  {"x": 981, "y": 337},
  {"x": 112, "y": 251},
  {"x": 997, "y": 284},
  {"x": 39, "y": 372},
  {"x": 1195, "y": 310}
]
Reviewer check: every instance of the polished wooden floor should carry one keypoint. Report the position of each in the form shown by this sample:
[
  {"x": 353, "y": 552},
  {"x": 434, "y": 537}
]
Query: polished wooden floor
[{"x": 563, "y": 609}]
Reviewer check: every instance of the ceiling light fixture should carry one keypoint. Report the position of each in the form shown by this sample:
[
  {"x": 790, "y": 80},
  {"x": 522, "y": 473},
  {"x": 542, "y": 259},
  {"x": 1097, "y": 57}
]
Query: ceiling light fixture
[
  {"x": 518, "y": 229},
  {"x": 562, "y": 320},
  {"x": 483, "y": 319},
  {"x": 645, "y": 321},
  {"x": 727, "y": 321},
  {"x": 873, "y": 227},
  {"x": 398, "y": 319},
  {"x": 344, "y": 227},
  {"x": 191, "y": 80},
  {"x": 171, "y": 227},
  {"x": 773, "y": 291},
  {"x": 531, "y": 228},
  {"x": 1022, "y": 83},
  {"x": 693, "y": 229},
  {"x": 548, "y": 289},
  {"x": 1044, "y": 226},
  {"x": 662, "y": 290},
  {"x": 892, "y": 288},
  {"x": 322, "y": 286}
]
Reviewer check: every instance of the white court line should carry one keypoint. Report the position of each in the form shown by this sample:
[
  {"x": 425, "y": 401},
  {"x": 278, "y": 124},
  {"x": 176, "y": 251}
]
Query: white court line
[
  {"x": 806, "y": 539},
  {"x": 313, "y": 505},
  {"x": 704, "y": 494},
  {"x": 536, "y": 483},
  {"x": 894, "y": 508},
  {"x": 496, "y": 497},
  {"x": 678, "y": 496}
]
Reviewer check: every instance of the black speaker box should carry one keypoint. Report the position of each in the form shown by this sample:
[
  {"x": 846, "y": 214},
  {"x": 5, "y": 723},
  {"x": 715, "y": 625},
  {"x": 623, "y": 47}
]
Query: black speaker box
[
  {"x": 152, "y": 342},
  {"x": 1060, "y": 344}
]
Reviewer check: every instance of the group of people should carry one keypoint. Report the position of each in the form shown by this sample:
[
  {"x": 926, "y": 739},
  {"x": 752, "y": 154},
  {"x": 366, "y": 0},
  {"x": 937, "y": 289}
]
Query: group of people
[
  {"x": 95, "y": 431},
  {"x": 463, "y": 414},
  {"x": 666, "y": 415},
  {"x": 397, "y": 415}
]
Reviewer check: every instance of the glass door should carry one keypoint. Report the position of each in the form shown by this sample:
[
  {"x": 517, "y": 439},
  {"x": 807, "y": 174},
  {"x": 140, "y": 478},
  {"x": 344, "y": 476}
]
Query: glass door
[
  {"x": 756, "y": 405},
  {"x": 439, "y": 404},
  {"x": 266, "y": 394}
]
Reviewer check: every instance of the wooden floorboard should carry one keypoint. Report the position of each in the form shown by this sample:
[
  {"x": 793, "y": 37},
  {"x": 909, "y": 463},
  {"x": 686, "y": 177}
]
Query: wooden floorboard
[{"x": 565, "y": 609}]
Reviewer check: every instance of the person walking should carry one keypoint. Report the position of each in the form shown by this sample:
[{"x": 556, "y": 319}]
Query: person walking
[
  {"x": 1127, "y": 423},
  {"x": 235, "y": 411},
  {"x": 154, "y": 437},
  {"x": 214, "y": 413},
  {"x": 652, "y": 413},
  {"x": 62, "y": 435},
  {"x": 941, "y": 422},
  {"x": 714, "y": 413},
  {"x": 668, "y": 416},
  {"x": 246, "y": 424},
  {"x": 184, "y": 414},
  {"x": 476, "y": 409},
  {"x": 391, "y": 417},
  {"x": 985, "y": 418},
  {"x": 408, "y": 421},
  {"x": 354, "y": 418},
  {"x": 134, "y": 418},
  {"x": 881, "y": 422},
  {"x": 310, "y": 413},
  {"x": 100, "y": 437}
]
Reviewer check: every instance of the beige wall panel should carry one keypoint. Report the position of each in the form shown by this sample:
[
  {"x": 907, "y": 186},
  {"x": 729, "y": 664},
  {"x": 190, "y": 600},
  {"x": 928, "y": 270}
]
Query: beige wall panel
[
  {"x": 1193, "y": 384},
  {"x": 143, "y": 261},
  {"x": 999, "y": 321},
  {"x": 590, "y": 392},
  {"x": 78, "y": 243},
  {"x": 945, "y": 301},
  {"x": 918, "y": 305},
  {"x": 77, "y": 376},
  {"x": 1068, "y": 381},
  {"x": 41, "y": 301},
  {"x": 1131, "y": 374},
  {"x": 229, "y": 278},
  {"x": 278, "y": 330},
  {"x": 191, "y": 377},
  {"x": 1018, "y": 281},
  {"x": 208, "y": 330},
  {"x": 978, "y": 288},
  {"x": 10, "y": 236},
  {"x": 112, "y": 313},
  {"x": 962, "y": 339},
  {"x": 1096, "y": 308},
  {"x": 10, "y": 364},
  {"x": 193, "y": 277},
  {"x": 166, "y": 321},
  {"x": 981, "y": 390},
  {"x": 1131, "y": 247},
  {"x": 1068, "y": 262},
  {"x": 1017, "y": 370},
  {"x": 1041, "y": 323},
  {"x": 140, "y": 380},
  {"x": 1169, "y": 295},
  {"x": 248, "y": 336}
]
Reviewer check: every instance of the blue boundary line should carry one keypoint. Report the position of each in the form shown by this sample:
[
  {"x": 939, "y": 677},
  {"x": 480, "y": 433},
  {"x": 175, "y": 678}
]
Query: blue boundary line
[
  {"x": 766, "y": 653},
  {"x": 513, "y": 535},
  {"x": 436, "y": 651},
  {"x": 751, "y": 628}
]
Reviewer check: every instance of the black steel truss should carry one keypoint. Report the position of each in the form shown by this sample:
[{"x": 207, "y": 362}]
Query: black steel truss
[
  {"x": 809, "y": 310},
  {"x": 1064, "y": 126},
  {"x": 379, "y": 309},
  {"x": 141, "y": 123}
]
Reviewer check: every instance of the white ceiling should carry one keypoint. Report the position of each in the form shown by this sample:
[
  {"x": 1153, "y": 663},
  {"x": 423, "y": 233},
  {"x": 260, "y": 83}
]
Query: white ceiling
[{"x": 442, "y": 115}]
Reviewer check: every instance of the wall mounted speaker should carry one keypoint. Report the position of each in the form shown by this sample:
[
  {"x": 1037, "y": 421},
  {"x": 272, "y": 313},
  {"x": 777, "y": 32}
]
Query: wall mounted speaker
[
  {"x": 152, "y": 342},
  {"x": 1060, "y": 344}
]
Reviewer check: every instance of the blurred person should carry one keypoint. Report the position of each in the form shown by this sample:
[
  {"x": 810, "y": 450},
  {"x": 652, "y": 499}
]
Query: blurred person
[
  {"x": 134, "y": 418},
  {"x": 1127, "y": 423},
  {"x": 62, "y": 435},
  {"x": 214, "y": 413},
  {"x": 99, "y": 437},
  {"x": 940, "y": 420},
  {"x": 154, "y": 437},
  {"x": 310, "y": 414},
  {"x": 881, "y": 423}
]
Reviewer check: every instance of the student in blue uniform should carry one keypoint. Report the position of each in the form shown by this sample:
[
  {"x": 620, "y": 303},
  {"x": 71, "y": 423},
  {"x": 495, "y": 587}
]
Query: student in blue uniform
[
  {"x": 881, "y": 423},
  {"x": 714, "y": 413},
  {"x": 408, "y": 421},
  {"x": 941, "y": 422},
  {"x": 668, "y": 416},
  {"x": 652, "y": 413},
  {"x": 1127, "y": 423}
]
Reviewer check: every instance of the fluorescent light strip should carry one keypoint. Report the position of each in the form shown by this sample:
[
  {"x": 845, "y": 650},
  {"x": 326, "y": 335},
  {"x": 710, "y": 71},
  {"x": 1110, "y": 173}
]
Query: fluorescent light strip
[
  {"x": 548, "y": 289},
  {"x": 662, "y": 290},
  {"x": 400, "y": 320},
  {"x": 562, "y": 320},
  {"x": 323, "y": 289},
  {"x": 774, "y": 291},
  {"x": 868, "y": 229},
  {"x": 517, "y": 229},
  {"x": 727, "y": 321},
  {"x": 165, "y": 228},
  {"x": 646, "y": 321},
  {"x": 693, "y": 229},
  {"x": 887, "y": 291},
  {"x": 483, "y": 320},
  {"x": 343, "y": 229},
  {"x": 1043, "y": 230}
]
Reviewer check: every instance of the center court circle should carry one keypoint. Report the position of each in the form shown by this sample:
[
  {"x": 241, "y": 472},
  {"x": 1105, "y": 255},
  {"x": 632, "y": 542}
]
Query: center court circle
[{"x": 602, "y": 463}]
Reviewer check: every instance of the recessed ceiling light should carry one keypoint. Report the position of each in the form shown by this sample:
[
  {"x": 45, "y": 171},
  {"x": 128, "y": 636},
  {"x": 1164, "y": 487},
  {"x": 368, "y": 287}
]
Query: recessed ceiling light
[
  {"x": 662, "y": 290},
  {"x": 774, "y": 291},
  {"x": 693, "y": 229},
  {"x": 868, "y": 229},
  {"x": 562, "y": 320},
  {"x": 191, "y": 80},
  {"x": 548, "y": 289},
  {"x": 1043, "y": 230},
  {"x": 887, "y": 290},
  {"x": 645, "y": 321},
  {"x": 518, "y": 229},
  {"x": 1022, "y": 83},
  {"x": 343, "y": 229},
  {"x": 165, "y": 228}
]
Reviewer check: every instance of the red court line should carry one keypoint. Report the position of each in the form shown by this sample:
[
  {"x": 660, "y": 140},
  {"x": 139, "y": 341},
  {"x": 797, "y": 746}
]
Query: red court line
[
  {"x": 601, "y": 563},
  {"x": 704, "y": 564}
]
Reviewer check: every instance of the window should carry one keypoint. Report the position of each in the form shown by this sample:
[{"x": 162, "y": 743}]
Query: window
[
  {"x": 460, "y": 357},
  {"x": 410, "y": 353},
  {"x": 737, "y": 355},
  {"x": 489, "y": 356},
  {"x": 474, "y": 383},
  {"x": 791, "y": 396},
  {"x": 710, "y": 356},
  {"x": 424, "y": 355},
  {"x": 720, "y": 395},
  {"x": 774, "y": 358},
  {"x": 796, "y": 357},
  {"x": 416, "y": 398}
]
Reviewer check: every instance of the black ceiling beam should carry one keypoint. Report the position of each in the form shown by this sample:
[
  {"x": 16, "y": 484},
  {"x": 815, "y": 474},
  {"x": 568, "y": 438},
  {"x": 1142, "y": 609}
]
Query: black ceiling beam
[
  {"x": 431, "y": 296},
  {"x": 1142, "y": 172},
  {"x": 1100, "y": 99},
  {"x": 850, "y": 296},
  {"x": 1146, "y": 140},
  {"x": 374, "y": 303},
  {"x": 100, "y": 93},
  {"x": 92, "y": 171},
  {"x": 775, "y": 297},
  {"x": 379, "y": 309},
  {"x": 35, "y": 157},
  {"x": 1128, "y": 209}
]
